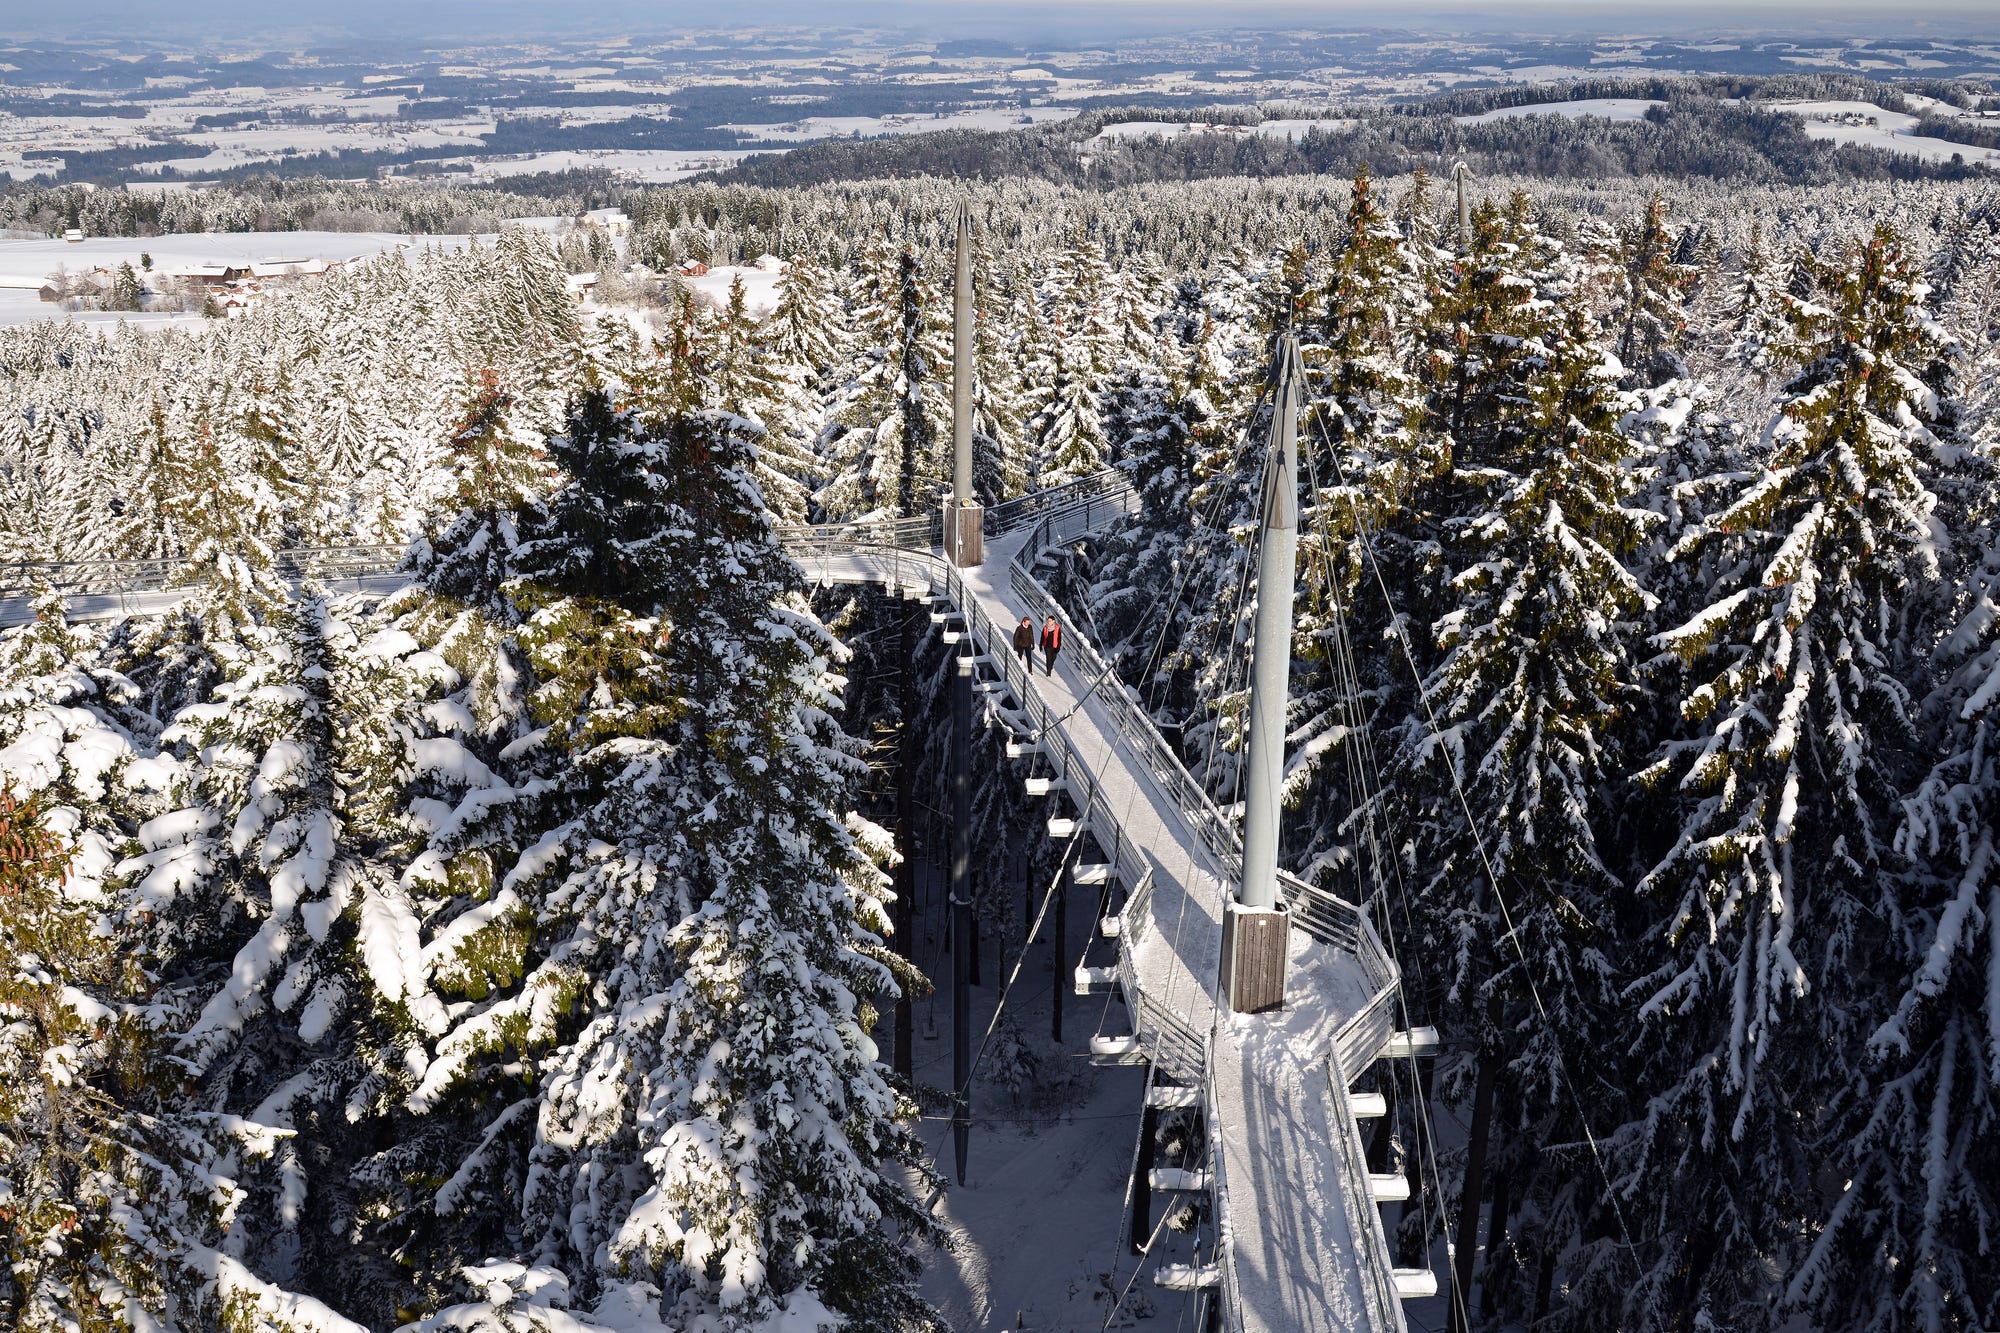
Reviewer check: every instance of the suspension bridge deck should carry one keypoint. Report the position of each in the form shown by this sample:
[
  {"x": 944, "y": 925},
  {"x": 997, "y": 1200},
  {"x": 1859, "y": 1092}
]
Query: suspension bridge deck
[{"x": 1297, "y": 1228}]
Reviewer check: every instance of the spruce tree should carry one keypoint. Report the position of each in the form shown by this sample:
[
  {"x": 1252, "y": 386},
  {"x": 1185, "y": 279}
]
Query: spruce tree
[{"x": 1796, "y": 724}]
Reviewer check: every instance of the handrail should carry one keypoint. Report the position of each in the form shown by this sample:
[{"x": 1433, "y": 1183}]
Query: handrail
[
  {"x": 19, "y": 577},
  {"x": 1325, "y": 916}
]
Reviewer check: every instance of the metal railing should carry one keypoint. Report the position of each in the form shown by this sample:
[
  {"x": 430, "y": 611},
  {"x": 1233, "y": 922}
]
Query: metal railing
[
  {"x": 21, "y": 578},
  {"x": 1364, "y": 1221},
  {"x": 1325, "y": 916},
  {"x": 1013, "y": 515},
  {"x": 921, "y": 532}
]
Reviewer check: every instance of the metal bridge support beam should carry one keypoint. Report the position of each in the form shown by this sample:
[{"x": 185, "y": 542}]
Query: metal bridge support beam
[
  {"x": 1459, "y": 174},
  {"x": 906, "y": 827},
  {"x": 961, "y": 907},
  {"x": 1142, "y": 1181},
  {"x": 964, "y": 520},
  {"x": 1060, "y": 947},
  {"x": 1255, "y": 929}
]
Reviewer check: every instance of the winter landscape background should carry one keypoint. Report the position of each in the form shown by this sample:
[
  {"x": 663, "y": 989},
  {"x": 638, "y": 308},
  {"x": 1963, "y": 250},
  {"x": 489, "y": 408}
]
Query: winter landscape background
[{"x": 505, "y": 941}]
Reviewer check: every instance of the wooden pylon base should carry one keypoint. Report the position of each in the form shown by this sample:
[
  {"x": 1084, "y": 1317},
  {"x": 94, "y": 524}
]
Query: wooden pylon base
[
  {"x": 965, "y": 533},
  {"x": 1255, "y": 943}
]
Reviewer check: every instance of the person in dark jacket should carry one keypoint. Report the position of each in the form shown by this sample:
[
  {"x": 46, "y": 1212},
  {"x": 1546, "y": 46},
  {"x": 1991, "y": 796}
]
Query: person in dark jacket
[
  {"x": 1024, "y": 642},
  {"x": 1051, "y": 643}
]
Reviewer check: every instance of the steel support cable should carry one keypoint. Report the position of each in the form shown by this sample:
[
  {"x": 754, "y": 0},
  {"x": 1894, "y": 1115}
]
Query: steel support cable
[
  {"x": 1137, "y": 1268},
  {"x": 1208, "y": 765},
  {"x": 1121, "y": 738},
  {"x": 1180, "y": 591},
  {"x": 1007, "y": 987},
  {"x": 1479, "y": 843},
  {"x": 1364, "y": 771}
]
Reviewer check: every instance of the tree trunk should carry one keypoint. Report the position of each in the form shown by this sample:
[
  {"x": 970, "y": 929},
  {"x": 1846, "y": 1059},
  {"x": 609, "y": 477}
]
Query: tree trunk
[
  {"x": 1493, "y": 1281},
  {"x": 1383, "y": 1133},
  {"x": 1473, "y": 1189}
]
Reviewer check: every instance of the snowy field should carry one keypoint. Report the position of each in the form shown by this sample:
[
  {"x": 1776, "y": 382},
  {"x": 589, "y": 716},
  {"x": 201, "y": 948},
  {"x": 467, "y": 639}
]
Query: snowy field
[
  {"x": 1609, "y": 108},
  {"x": 1834, "y": 121},
  {"x": 1168, "y": 129},
  {"x": 760, "y": 289},
  {"x": 811, "y": 128},
  {"x": 652, "y": 166},
  {"x": 26, "y": 265}
]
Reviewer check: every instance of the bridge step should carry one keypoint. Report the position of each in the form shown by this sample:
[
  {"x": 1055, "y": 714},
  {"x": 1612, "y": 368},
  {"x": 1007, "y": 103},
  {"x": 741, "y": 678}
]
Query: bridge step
[
  {"x": 952, "y": 636},
  {"x": 1165, "y": 1097},
  {"x": 1367, "y": 1105},
  {"x": 1414, "y": 1284},
  {"x": 1187, "y": 1277},
  {"x": 1045, "y": 786},
  {"x": 1412, "y": 1041},
  {"x": 940, "y": 617},
  {"x": 1179, "y": 1180},
  {"x": 1111, "y": 927},
  {"x": 1023, "y": 749},
  {"x": 1389, "y": 1188},
  {"x": 1096, "y": 980},
  {"x": 1061, "y": 828},
  {"x": 1093, "y": 872}
]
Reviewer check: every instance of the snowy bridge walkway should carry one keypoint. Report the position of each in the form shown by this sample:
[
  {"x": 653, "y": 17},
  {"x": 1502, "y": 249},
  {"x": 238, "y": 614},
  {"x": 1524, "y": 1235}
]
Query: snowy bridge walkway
[{"x": 1301, "y": 1247}]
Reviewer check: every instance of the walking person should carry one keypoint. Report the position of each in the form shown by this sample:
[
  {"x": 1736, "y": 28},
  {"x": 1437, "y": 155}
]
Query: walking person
[
  {"x": 1024, "y": 642},
  {"x": 1051, "y": 643}
]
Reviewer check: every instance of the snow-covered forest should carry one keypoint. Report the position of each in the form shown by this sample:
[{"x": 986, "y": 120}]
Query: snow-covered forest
[{"x": 506, "y": 951}]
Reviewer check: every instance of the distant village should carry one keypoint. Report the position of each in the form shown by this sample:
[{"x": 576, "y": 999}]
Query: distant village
[{"x": 219, "y": 290}]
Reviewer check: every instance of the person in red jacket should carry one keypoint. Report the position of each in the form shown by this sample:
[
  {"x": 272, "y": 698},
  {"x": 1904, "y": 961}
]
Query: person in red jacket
[
  {"x": 1024, "y": 642},
  {"x": 1051, "y": 643}
]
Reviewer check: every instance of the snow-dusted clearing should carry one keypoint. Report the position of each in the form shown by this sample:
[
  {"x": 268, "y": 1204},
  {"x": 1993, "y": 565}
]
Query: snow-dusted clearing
[
  {"x": 808, "y": 129},
  {"x": 1172, "y": 129},
  {"x": 1869, "y": 126},
  {"x": 760, "y": 286},
  {"x": 28, "y": 263},
  {"x": 652, "y": 166},
  {"x": 1607, "y": 108}
]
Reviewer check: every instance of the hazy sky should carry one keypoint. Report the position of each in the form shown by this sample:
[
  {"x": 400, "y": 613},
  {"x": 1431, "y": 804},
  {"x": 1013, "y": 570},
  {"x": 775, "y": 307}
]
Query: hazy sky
[{"x": 224, "y": 21}]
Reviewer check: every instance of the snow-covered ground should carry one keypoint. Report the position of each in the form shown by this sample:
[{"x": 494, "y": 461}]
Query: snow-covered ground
[
  {"x": 809, "y": 128},
  {"x": 1610, "y": 108},
  {"x": 1869, "y": 126},
  {"x": 29, "y": 263},
  {"x": 760, "y": 289},
  {"x": 1037, "y": 1222},
  {"x": 26, "y": 264},
  {"x": 1173, "y": 129},
  {"x": 653, "y": 166}
]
